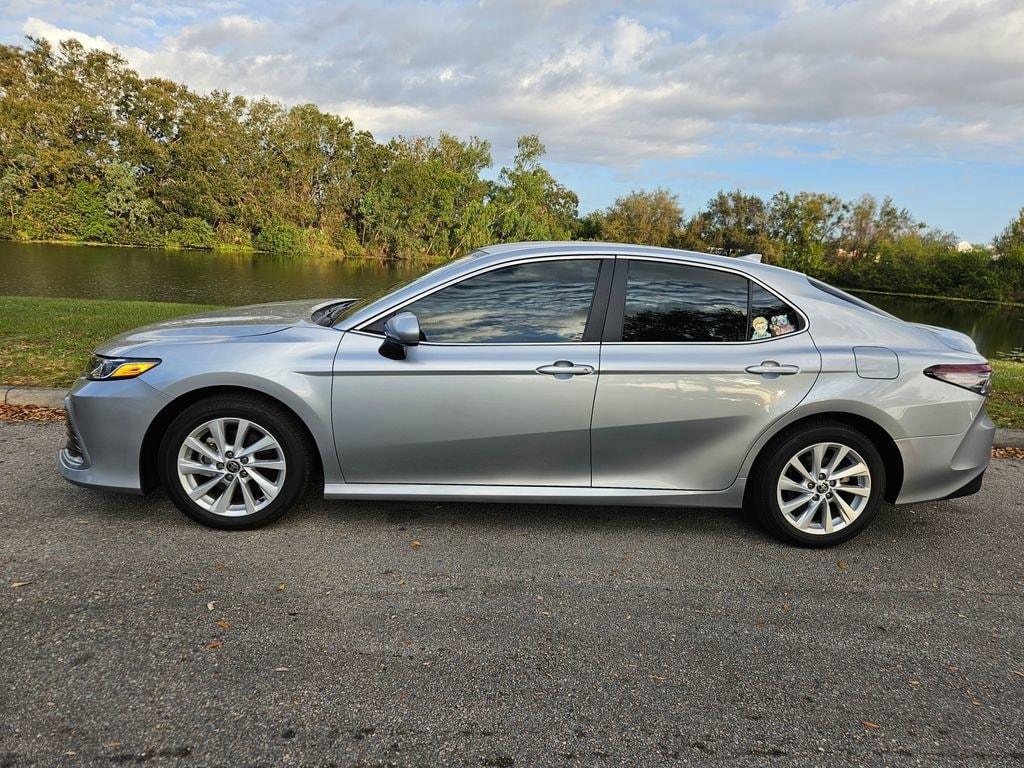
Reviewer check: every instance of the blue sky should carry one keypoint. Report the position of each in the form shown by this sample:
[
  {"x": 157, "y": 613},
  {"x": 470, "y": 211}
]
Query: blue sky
[{"x": 922, "y": 100}]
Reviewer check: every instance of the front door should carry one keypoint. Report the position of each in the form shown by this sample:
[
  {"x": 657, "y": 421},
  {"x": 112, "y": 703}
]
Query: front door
[
  {"x": 500, "y": 391},
  {"x": 697, "y": 364}
]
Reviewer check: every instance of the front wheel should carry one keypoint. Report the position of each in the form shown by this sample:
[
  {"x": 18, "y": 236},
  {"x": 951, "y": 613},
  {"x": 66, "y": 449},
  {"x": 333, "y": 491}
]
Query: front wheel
[
  {"x": 234, "y": 462},
  {"x": 820, "y": 486}
]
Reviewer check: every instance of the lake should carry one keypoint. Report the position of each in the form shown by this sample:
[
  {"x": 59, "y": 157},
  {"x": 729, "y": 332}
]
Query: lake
[{"x": 154, "y": 274}]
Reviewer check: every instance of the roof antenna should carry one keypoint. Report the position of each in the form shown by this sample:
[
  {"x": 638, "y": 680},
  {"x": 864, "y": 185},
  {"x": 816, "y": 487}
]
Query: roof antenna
[{"x": 756, "y": 257}]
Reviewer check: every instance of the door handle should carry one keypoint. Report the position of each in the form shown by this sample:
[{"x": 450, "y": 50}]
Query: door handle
[
  {"x": 771, "y": 369},
  {"x": 564, "y": 369}
]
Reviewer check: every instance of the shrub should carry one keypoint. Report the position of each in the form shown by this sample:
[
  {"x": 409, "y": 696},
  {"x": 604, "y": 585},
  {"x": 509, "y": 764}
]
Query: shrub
[
  {"x": 279, "y": 237},
  {"x": 192, "y": 233}
]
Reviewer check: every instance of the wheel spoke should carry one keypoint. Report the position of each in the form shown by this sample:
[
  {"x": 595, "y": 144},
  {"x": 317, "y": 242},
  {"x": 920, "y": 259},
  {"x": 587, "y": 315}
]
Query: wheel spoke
[
  {"x": 818, "y": 452},
  {"x": 858, "y": 468},
  {"x": 845, "y": 509},
  {"x": 250, "y": 502},
  {"x": 201, "y": 490},
  {"x": 265, "y": 464},
  {"x": 262, "y": 444},
  {"x": 217, "y": 432},
  {"x": 188, "y": 467},
  {"x": 202, "y": 448},
  {"x": 225, "y": 499},
  {"x": 798, "y": 465},
  {"x": 796, "y": 503},
  {"x": 826, "y": 515},
  {"x": 841, "y": 452},
  {"x": 243, "y": 429},
  {"x": 856, "y": 490},
  {"x": 268, "y": 487},
  {"x": 805, "y": 519},
  {"x": 791, "y": 485}
]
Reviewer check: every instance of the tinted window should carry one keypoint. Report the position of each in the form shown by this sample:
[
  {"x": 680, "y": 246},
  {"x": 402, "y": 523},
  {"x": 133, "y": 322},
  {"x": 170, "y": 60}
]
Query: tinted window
[
  {"x": 672, "y": 302},
  {"x": 770, "y": 316},
  {"x": 546, "y": 301}
]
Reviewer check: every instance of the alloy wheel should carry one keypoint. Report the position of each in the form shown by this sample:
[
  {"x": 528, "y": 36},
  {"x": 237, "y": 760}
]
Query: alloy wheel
[
  {"x": 231, "y": 467},
  {"x": 823, "y": 488}
]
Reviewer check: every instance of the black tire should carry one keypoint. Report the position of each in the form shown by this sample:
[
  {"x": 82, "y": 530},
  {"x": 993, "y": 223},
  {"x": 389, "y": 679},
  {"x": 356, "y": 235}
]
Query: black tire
[
  {"x": 762, "y": 499},
  {"x": 269, "y": 416}
]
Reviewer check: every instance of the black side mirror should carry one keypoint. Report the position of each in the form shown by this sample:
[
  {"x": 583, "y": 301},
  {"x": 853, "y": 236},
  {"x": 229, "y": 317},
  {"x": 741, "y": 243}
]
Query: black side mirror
[{"x": 400, "y": 331}]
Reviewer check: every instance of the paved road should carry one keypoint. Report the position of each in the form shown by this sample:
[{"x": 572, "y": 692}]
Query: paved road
[{"x": 420, "y": 634}]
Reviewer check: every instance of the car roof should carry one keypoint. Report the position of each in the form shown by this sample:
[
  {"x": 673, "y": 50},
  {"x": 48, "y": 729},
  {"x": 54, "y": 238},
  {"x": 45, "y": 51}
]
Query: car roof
[{"x": 562, "y": 247}]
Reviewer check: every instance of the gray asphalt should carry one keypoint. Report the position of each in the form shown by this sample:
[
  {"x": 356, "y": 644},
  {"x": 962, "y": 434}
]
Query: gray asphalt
[{"x": 423, "y": 634}]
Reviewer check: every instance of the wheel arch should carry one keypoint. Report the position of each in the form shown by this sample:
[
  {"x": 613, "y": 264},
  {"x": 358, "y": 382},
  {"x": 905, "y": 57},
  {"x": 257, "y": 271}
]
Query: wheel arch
[
  {"x": 880, "y": 437},
  {"x": 148, "y": 473}
]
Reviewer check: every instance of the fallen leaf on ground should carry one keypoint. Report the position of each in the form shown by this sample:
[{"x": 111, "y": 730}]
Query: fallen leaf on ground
[
  {"x": 209, "y": 606},
  {"x": 785, "y": 607},
  {"x": 199, "y": 588},
  {"x": 224, "y": 625},
  {"x": 16, "y": 584},
  {"x": 843, "y": 565},
  {"x": 1019, "y": 674},
  {"x": 113, "y": 744},
  {"x": 416, "y": 544},
  {"x": 281, "y": 669},
  {"x": 214, "y": 644},
  {"x": 282, "y": 586},
  {"x": 871, "y": 725}
]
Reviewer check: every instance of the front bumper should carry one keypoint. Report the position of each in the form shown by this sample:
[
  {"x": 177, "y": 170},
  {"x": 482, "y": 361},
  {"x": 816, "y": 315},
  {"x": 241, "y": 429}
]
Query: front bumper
[
  {"x": 107, "y": 421},
  {"x": 946, "y": 466}
]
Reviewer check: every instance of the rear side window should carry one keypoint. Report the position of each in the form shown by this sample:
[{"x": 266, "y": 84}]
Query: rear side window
[
  {"x": 673, "y": 302},
  {"x": 770, "y": 316}
]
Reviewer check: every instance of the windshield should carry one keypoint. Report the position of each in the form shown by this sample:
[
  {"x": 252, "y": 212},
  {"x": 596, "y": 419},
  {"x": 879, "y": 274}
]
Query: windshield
[{"x": 419, "y": 277}]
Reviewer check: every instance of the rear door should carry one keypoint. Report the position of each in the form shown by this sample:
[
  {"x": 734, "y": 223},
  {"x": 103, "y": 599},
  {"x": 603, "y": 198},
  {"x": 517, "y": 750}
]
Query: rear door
[
  {"x": 697, "y": 362},
  {"x": 499, "y": 392}
]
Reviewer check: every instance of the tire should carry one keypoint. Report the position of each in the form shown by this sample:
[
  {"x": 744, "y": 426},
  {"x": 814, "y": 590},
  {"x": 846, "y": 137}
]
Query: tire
[
  {"x": 840, "y": 504},
  {"x": 262, "y": 476}
]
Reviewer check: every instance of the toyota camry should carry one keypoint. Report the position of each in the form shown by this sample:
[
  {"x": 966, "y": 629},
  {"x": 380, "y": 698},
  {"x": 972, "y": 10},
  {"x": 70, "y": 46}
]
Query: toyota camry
[{"x": 585, "y": 373}]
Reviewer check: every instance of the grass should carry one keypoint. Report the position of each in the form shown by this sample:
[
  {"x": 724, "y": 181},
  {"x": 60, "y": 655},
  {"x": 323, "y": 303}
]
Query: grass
[
  {"x": 1006, "y": 403},
  {"x": 46, "y": 343}
]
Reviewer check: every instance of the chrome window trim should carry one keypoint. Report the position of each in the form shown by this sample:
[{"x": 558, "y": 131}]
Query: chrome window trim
[
  {"x": 362, "y": 327},
  {"x": 741, "y": 273}
]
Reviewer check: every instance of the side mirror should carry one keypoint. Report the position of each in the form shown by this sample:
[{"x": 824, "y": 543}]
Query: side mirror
[{"x": 400, "y": 331}]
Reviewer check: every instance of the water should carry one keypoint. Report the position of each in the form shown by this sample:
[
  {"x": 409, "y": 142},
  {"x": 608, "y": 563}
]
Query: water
[{"x": 154, "y": 274}]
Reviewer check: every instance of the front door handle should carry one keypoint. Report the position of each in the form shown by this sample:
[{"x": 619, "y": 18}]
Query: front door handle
[
  {"x": 564, "y": 369},
  {"x": 771, "y": 369}
]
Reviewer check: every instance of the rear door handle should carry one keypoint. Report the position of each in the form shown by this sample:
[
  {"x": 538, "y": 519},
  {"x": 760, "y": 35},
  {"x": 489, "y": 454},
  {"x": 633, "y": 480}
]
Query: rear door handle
[
  {"x": 564, "y": 369},
  {"x": 771, "y": 369}
]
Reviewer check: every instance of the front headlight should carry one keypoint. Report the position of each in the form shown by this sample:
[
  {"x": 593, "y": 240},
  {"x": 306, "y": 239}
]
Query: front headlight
[{"x": 106, "y": 368}]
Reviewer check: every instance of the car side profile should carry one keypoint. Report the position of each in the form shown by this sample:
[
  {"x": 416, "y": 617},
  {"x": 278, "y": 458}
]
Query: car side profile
[{"x": 582, "y": 372}]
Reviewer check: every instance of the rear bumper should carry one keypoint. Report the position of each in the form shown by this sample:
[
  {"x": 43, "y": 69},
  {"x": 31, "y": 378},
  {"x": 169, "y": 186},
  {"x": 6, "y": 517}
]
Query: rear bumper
[
  {"x": 946, "y": 466},
  {"x": 107, "y": 421}
]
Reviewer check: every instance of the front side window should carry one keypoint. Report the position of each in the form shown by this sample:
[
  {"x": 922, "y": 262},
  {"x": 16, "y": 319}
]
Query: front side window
[
  {"x": 538, "y": 302},
  {"x": 674, "y": 302}
]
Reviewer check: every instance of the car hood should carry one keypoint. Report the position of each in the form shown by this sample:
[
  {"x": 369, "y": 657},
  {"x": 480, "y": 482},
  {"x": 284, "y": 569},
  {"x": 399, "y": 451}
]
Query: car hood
[{"x": 230, "y": 323}]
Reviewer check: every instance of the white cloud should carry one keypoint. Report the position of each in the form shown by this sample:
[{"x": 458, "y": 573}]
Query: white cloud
[{"x": 877, "y": 78}]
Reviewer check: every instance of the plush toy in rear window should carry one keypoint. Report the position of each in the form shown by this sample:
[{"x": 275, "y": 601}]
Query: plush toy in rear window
[
  {"x": 781, "y": 325},
  {"x": 760, "y": 326}
]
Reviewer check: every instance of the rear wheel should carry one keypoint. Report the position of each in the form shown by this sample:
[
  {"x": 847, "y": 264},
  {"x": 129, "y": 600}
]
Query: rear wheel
[
  {"x": 819, "y": 486},
  {"x": 234, "y": 462}
]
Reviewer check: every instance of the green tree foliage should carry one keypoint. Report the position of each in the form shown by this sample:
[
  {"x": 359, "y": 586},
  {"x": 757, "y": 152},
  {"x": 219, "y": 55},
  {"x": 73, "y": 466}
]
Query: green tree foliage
[
  {"x": 648, "y": 218},
  {"x": 89, "y": 150}
]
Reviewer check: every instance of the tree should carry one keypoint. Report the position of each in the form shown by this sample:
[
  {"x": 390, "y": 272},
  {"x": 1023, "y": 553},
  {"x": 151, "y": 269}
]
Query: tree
[
  {"x": 647, "y": 218},
  {"x": 529, "y": 204}
]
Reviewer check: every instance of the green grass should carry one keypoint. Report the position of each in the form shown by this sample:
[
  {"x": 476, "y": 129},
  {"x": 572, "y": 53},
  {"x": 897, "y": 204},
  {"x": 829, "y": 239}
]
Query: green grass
[
  {"x": 1006, "y": 403},
  {"x": 46, "y": 343}
]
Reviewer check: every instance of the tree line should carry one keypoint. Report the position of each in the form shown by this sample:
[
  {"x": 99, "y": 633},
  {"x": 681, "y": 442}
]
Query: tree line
[{"x": 91, "y": 151}]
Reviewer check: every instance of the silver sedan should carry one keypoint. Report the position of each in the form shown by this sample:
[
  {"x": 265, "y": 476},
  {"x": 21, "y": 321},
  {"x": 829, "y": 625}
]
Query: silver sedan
[{"x": 580, "y": 372}]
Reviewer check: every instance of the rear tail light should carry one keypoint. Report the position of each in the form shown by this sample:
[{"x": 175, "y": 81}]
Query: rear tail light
[{"x": 976, "y": 377}]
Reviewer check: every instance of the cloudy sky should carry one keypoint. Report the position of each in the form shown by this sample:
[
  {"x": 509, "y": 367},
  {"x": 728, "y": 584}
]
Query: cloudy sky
[{"x": 919, "y": 99}]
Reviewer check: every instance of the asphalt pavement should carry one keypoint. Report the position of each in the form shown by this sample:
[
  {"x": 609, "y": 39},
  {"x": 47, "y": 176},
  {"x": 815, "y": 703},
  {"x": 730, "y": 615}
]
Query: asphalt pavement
[{"x": 378, "y": 633}]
